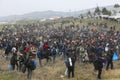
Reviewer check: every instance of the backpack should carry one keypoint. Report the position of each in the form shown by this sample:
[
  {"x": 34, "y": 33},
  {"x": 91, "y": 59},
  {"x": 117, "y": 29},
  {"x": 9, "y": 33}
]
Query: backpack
[
  {"x": 82, "y": 49},
  {"x": 13, "y": 60},
  {"x": 38, "y": 54},
  {"x": 53, "y": 51},
  {"x": 14, "y": 49},
  {"x": 98, "y": 64},
  {"x": 68, "y": 62},
  {"x": 30, "y": 64}
]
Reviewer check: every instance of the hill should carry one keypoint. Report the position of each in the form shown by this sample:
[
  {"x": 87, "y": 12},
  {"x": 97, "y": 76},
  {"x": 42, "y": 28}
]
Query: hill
[
  {"x": 51, "y": 14},
  {"x": 56, "y": 71},
  {"x": 39, "y": 15}
]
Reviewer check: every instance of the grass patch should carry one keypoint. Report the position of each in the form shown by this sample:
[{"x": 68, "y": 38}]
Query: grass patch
[{"x": 1, "y": 27}]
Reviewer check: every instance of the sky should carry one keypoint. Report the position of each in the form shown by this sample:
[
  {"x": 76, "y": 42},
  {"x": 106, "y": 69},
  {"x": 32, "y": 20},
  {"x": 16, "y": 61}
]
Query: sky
[{"x": 18, "y": 7}]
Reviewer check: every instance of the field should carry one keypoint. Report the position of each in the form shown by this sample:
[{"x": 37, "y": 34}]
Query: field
[
  {"x": 56, "y": 71},
  {"x": 51, "y": 71}
]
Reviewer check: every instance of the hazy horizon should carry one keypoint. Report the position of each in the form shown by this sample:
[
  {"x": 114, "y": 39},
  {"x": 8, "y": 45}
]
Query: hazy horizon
[{"x": 18, "y": 7}]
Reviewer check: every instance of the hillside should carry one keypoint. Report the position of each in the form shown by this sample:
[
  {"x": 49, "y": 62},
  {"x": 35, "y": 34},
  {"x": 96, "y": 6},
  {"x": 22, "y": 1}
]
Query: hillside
[
  {"x": 56, "y": 71},
  {"x": 50, "y": 14},
  {"x": 39, "y": 15}
]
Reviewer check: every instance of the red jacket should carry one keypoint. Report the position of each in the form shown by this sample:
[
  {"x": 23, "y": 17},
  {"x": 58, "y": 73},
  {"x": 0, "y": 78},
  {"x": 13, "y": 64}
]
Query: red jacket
[
  {"x": 27, "y": 49},
  {"x": 45, "y": 46}
]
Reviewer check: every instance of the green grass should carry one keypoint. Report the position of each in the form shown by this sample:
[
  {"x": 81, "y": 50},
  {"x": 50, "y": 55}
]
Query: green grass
[{"x": 1, "y": 27}]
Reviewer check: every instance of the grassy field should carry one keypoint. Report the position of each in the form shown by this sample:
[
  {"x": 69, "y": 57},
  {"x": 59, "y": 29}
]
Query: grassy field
[
  {"x": 56, "y": 71},
  {"x": 1, "y": 27},
  {"x": 51, "y": 71}
]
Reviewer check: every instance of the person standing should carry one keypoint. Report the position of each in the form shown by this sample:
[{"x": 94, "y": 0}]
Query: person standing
[
  {"x": 98, "y": 65},
  {"x": 109, "y": 59},
  {"x": 70, "y": 64},
  {"x": 13, "y": 61}
]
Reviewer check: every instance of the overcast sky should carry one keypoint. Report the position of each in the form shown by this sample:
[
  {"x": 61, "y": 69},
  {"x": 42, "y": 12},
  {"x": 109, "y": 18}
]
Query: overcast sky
[{"x": 16, "y": 7}]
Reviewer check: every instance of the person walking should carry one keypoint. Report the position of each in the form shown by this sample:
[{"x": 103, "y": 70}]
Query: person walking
[{"x": 98, "y": 65}]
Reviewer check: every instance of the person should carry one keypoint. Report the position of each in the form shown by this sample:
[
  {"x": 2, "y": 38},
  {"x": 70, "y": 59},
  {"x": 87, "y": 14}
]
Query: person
[
  {"x": 53, "y": 54},
  {"x": 98, "y": 65},
  {"x": 7, "y": 51},
  {"x": 13, "y": 61},
  {"x": 39, "y": 57},
  {"x": 21, "y": 61},
  {"x": 85, "y": 57},
  {"x": 110, "y": 59},
  {"x": 70, "y": 63},
  {"x": 30, "y": 65},
  {"x": 46, "y": 46}
]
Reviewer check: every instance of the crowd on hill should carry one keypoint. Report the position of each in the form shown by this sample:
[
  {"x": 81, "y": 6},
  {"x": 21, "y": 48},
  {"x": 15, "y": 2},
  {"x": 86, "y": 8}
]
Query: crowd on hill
[{"x": 73, "y": 43}]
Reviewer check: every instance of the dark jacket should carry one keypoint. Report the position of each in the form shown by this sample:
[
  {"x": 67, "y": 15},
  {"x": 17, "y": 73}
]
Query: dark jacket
[
  {"x": 13, "y": 60},
  {"x": 110, "y": 55},
  {"x": 98, "y": 64},
  {"x": 68, "y": 63}
]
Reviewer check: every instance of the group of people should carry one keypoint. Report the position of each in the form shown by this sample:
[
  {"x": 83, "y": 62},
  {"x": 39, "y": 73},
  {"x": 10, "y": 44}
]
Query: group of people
[{"x": 73, "y": 43}]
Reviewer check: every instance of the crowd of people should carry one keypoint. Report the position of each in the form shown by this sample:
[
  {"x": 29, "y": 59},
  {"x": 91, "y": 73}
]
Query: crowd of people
[{"x": 73, "y": 43}]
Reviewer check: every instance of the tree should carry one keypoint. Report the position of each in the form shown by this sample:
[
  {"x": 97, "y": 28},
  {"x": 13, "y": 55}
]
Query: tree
[
  {"x": 105, "y": 11},
  {"x": 89, "y": 14},
  {"x": 97, "y": 11},
  {"x": 116, "y": 6}
]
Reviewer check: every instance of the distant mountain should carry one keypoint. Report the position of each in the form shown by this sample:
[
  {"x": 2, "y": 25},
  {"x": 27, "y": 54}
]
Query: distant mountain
[
  {"x": 50, "y": 14},
  {"x": 39, "y": 15}
]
